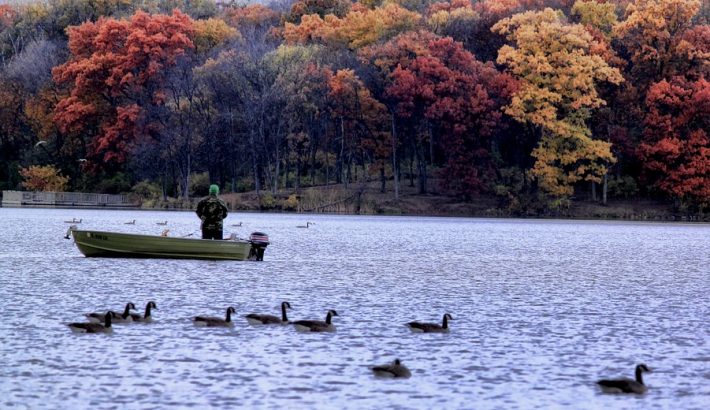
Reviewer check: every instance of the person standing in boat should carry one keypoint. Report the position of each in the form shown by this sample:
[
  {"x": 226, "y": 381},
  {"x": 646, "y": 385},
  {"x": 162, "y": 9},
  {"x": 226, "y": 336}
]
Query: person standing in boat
[{"x": 212, "y": 212}]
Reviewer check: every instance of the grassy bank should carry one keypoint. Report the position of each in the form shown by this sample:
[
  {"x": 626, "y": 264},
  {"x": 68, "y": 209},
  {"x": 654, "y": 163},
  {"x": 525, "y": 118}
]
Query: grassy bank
[{"x": 368, "y": 200}]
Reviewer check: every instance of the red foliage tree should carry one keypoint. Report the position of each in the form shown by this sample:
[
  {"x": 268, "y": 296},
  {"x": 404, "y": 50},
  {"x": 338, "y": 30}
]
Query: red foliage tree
[
  {"x": 436, "y": 81},
  {"x": 676, "y": 150},
  {"x": 114, "y": 74}
]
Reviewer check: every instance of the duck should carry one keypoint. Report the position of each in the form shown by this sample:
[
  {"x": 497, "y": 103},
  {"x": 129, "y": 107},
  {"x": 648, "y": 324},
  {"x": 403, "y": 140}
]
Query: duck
[
  {"x": 306, "y": 225},
  {"x": 420, "y": 327},
  {"x": 125, "y": 317},
  {"x": 133, "y": 222},
  {"x": 317, "y": 325},
  {"x": 394, "y": 370},
  {"x": 91, "y": 327},
  {"x": 207, "y": 321},
  {"x": 625, "y": 385},
  {"x": 146, "y": 317},
  {"x": 257, "y": 319},
  {"x": 162, "y": 223}
]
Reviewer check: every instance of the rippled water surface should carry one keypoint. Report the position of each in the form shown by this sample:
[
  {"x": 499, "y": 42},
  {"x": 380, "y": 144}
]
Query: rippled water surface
[{"x": 541, "y": 310}]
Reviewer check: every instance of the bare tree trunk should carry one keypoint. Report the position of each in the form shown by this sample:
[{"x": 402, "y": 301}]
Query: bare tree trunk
[
  {"x": 383, "y": 181},
  {"x": 254, "y": 165},
  {"x": 395, "y": 172},
  {"x": 594, "y": 191},
  {"x": 604, "y": 188}
]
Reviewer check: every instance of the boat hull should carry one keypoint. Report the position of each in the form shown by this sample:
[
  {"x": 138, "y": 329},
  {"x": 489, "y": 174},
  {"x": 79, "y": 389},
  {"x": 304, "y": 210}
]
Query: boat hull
[{"x": 125, "y": 245}]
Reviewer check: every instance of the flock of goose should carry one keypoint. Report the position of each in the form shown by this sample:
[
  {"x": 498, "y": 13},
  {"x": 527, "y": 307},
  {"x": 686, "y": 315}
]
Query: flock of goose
[{"x": 394, "y": 369}]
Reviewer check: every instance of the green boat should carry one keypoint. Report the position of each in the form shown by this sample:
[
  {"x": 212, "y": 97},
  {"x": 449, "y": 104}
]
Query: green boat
[{"x": 130, "y": 245}]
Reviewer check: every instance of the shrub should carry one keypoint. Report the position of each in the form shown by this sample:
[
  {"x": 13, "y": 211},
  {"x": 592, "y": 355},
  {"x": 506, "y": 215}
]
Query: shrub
[
  {"x": 291, "y": 203},
  {"x": 267, "y": 201}
]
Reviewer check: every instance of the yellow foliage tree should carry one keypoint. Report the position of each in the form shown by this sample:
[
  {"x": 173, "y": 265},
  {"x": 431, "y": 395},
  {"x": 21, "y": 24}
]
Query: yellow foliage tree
[
  {"x": 601, "y": 16},
  {"x": 43, "y": 178},
  {"x": 359, "y": 28},
  {"x": 211, "y": 33},
  {"x": 558, "y": 77}
]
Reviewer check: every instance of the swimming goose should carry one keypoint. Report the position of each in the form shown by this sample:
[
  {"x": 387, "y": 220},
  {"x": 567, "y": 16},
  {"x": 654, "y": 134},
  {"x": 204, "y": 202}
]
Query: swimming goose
[
  {"x": 239, "y": 224},
  {"x": 431, "y": 327},
  {"x": 306, "y": 225},
  {"x": 91, "y": 327},
  {"x": 625, "y": 385},
  {"x": 395, "y": 370},
  {"x": 125, "y": 317},
  {"x": 257, "y": 319},
  {"x": 133, "y": 222},
  {"x": 162, "y": 223},
  {"x": 146, "y": 317},
  {"x": 316, "y": 325},
  {"x": 215, "y": 321}
]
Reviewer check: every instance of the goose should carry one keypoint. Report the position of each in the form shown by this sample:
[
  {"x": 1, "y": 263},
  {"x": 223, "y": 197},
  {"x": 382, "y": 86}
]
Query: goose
[
  {"x": 625, "y": 385},
  {"x": 146, "y": 317},
  {"x": 215, "y": 321},
  {"x": 317, "y": 325},
  {"x": 239, "y": 224},
  {"x": 394, "y": 370},
  {"x": 257, "y": 319},
  {"x": 125, "y": 317},
  {"x": 306, "y": 225},
  {"x": 162, "y": 223},
  {"x": 165, "y": 232},
  {"x": 133, "y": 222},
  {"x": 91, "y": 327},
  {"x": 74, "y": 221},
  {"x": 431, "y": 327}
]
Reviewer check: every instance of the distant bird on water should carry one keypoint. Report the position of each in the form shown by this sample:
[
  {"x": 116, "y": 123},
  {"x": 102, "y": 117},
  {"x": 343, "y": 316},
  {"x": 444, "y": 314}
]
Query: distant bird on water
[
  {"x": 625, "y": 385},
  {"x": 394, "y": 370},
  {"x": 431, "y": 327},
  {"x": 125, "y": 317},
  {"x": 133, "y": 222},
  {"x": 90, "y": 327},
  {"x": 306, "y": 225},
  {"x": 74, "y": 221},
  {"x": 239, "y": 224},
  {"x": 162, "y": 223},
  {"x": 316, "y": 325},
  {"x": 208, "y": 321},
  {"x": 257, "y": 319},
  {"x": 146, "y": 317}
]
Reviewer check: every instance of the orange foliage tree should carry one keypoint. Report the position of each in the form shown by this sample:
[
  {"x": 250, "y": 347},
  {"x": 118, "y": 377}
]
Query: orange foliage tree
[{"x": 113, "y": 75}]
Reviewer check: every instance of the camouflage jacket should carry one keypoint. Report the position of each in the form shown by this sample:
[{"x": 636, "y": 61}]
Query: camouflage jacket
[{"x": 211, "y": 211}]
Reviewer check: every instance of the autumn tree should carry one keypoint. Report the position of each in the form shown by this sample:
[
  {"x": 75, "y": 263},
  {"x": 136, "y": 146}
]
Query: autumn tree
[
  {"x": 361, "y": 122},
  {"x": 676, "y": 148},
  {"x": 43, "y": 178},
  {"x": 652, "y": 36},
  {"x": 358, "y": 28},
  {"x": 558, "y": 90},
  {"x": 115, "y": 72}
]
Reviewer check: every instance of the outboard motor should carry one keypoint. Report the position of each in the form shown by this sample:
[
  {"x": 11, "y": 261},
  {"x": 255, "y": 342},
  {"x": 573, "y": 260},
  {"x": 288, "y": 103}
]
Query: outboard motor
[{"x": 259, "y": 242}]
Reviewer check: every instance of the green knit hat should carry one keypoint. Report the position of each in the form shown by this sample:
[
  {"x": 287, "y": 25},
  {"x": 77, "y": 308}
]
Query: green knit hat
[{"x": 214, "y": 189}]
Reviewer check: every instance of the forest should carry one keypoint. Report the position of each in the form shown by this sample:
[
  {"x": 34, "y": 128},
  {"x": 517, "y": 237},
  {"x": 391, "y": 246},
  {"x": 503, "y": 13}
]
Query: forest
[{"x": 538, "y": 103}]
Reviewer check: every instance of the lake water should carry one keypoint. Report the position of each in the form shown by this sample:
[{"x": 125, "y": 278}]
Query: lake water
[{"x": 541, "y": 308}]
